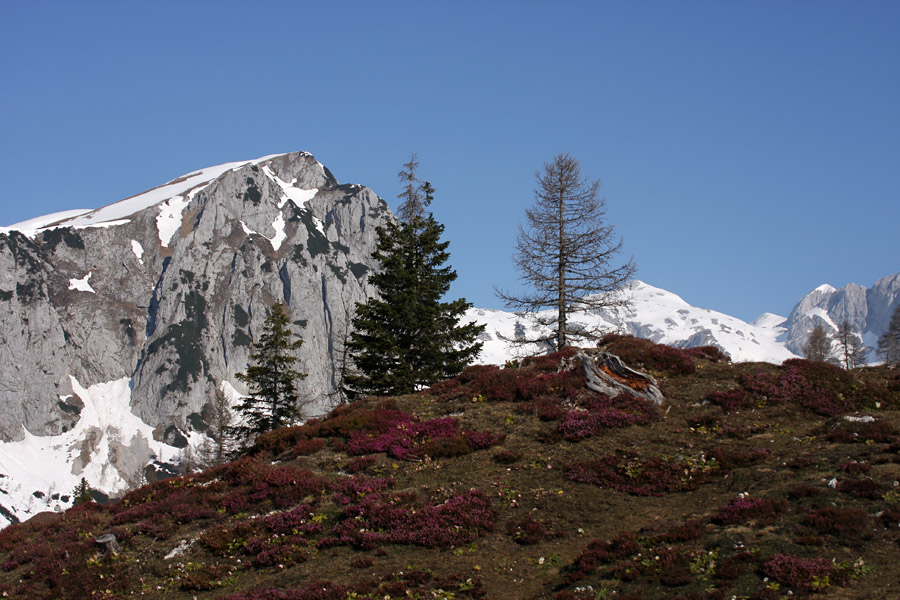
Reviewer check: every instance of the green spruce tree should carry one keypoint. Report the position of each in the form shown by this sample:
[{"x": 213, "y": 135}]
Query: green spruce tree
[
  {"x": 82, "y": 493},
  {"x": 406, "y": 338},
  {"x": 272, "y": 401}
]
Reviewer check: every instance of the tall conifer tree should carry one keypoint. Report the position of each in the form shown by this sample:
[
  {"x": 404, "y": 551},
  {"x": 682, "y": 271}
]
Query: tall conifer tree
[{"x": 406, "y": 337}]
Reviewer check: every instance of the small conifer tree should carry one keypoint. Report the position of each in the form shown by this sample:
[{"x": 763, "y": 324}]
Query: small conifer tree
[
  {"x": 82, "y": 493},
  {"x": 272, "y": 401},
  {"x": 406, "y": 337}
]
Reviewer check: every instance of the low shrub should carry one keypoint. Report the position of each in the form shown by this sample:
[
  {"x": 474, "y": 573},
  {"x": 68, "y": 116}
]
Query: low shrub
[
  {"x": 602, "y": 412},
  {"x": 802, "y": 574},
  {"x": 526, "y": 531},
  {"x": 731, "y": 458},
  {"x": 320, "y": 590},
  {"x": 634, "y": 475},
  {"x": 359, "y": 464},
  {"x": 600, "y": 552},
  {"x": 506, "y": 457},
  {"x": 638, "y": 352},
  {"x": 684, "y": 532},
  {"x": 305, "y": 447},
  {"x": 837, "y": 521},
  {"x": 730, "y": 400},
  {"x": 408, "y": 439},
  {"x": 744, "y": 509},
  {"x": 862, "y": 488}
]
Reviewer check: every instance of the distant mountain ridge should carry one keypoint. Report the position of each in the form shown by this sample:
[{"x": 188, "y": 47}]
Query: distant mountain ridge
[{"x": 666, "y": 318}]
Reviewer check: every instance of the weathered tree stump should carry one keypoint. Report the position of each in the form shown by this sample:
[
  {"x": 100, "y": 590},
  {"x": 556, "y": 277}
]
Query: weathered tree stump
[
  {"x": 109, "y": 544},
  {"x": 607, "y": 374}
]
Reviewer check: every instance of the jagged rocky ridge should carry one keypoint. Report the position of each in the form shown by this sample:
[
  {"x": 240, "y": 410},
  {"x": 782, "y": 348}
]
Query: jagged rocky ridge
[
  {"x": 868, "y": 310},
  {"x": 152, "y": 303}
]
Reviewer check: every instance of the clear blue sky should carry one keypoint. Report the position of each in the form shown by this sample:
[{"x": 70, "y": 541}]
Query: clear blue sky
[{"x": 749, "y": 151}]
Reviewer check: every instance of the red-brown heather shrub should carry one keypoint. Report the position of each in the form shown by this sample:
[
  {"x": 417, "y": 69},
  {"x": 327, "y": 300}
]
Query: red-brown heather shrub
[
  {"x": 602, "y": 412},
  {"x": 819, "y": 387},
  {"x": 305, "y": 447},
  {"x": 745, "y": 509},
  {"x": 634, "y": 475},
  {"x": 409, "y": 439},
  {"x": 731, "y": 400},
  {"x": 802, "y": 462},
  {"x": 320, "y": 590},
  {"x": 837, "y": 521},
  {"x": 684, "y": 532},
  {"x": 731, "y": 567},
  {"x": 506, "y": 457},
  {"x": 376, "y": 520},
  {"x": 600, "y": 552},
  {"x": 279, "y": 440},
  {"x": 733, "y": 458},
  {"x": 878, "y": 432},
  {"x": 801, "y": 574},
  {"x": 359, "y": 463},
  {"x": 526, "y": 531},
  {"x": 862, "y": 488},
  {"x": 705, "y": 421},
  {"x": 362, "y": 562},
  {"x": 642, "y": 353},
  {"x": 890, "y": 516},
  {"x": 552, "y": 362},
  {"x": 710, "y": 353}
]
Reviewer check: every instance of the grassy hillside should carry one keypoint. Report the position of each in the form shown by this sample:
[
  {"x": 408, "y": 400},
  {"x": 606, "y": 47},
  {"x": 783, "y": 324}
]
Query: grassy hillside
[{"x": 750, "y": 481}]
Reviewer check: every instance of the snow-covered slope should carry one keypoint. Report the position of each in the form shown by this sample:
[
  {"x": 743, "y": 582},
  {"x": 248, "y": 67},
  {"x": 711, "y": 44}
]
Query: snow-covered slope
[{"x": 655, "y": 314}]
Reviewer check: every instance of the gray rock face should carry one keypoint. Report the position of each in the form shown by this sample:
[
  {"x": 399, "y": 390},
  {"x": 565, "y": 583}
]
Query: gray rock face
[
  {"x": 173, "y": 294},
  {"x": 868, "y": 310}
]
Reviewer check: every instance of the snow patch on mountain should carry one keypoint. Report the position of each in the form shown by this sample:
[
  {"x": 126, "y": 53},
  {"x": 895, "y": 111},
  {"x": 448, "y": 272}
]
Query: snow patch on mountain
[
  {"x": 82, "y": 284},
  {"x": 280, "y": 235},
  {"x": 168, "y": 221},
  {"x": 138, "y": 250},
  {"x": 298, "y": 196},
  {"x": 38, "y": 473}
]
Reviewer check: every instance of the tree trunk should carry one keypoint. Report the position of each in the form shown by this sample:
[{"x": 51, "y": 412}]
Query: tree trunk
[{"x": 109, "y": 544}]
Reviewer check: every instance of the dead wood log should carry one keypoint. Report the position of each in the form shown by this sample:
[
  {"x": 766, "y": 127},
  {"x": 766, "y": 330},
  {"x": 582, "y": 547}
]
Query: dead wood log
[
  {"x": 607, "y": 374},
  {"x": 108, "y": 542}
]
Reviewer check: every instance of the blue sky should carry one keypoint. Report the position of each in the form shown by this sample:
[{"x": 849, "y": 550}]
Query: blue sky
[{"x": 749, "y": 151}]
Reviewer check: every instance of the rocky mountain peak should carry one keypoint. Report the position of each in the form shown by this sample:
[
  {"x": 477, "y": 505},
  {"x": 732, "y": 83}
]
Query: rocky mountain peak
[{"x": 151, "y": 303}]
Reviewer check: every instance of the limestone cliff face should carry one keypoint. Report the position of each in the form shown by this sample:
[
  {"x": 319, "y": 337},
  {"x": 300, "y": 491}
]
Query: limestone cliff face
[
  {"x": 868, "y": 310},
  {"x": 172, "y": 293}
]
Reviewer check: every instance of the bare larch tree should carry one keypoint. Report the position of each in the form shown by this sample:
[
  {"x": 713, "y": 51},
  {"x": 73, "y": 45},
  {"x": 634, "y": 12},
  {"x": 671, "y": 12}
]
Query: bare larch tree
[
  {"x": 412, "y": 195},
  {"x": 568, "y": 255}
]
